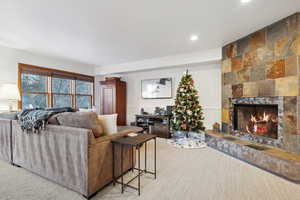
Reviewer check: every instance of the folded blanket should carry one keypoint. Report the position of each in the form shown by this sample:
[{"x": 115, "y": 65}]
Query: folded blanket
[{"x": 36, "y": 119}]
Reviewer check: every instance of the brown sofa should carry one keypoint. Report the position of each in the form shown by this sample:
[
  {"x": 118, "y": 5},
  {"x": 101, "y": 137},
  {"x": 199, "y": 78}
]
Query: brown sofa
[
  {"x": 5, "y": 140},
  {"x": 71, "y": 157}
]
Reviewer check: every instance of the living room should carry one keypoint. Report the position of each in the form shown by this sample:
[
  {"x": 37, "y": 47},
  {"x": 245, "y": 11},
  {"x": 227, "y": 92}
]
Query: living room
[{"x": 168, "y": 100}]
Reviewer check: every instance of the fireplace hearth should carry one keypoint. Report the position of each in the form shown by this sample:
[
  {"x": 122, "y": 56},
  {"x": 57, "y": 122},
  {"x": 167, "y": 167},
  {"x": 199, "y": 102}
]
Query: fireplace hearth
[{"x": 256, "y": 119}]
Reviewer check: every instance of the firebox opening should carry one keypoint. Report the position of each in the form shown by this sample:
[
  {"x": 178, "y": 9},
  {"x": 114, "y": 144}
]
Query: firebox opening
[{"x": 256, "y": 119}]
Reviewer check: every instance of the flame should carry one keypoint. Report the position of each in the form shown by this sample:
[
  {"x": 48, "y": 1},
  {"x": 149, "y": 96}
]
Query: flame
[
  {"x": 253, "y": 119},
  {"x": 264, "y": 118},
  {"x": 256, "y": 120}
]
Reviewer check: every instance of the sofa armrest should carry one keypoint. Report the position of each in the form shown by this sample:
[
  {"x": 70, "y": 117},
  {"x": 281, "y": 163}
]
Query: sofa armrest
[
  {"x": 5, "y": 139},
  {"x": 57, "y": 153},
  {"x": 108, "y": 138},
  {"x": 101, "y": 159}
]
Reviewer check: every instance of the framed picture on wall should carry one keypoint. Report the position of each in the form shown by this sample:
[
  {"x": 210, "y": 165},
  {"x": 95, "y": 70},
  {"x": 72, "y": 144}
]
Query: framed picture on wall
[{"x": 160, "y": 88}]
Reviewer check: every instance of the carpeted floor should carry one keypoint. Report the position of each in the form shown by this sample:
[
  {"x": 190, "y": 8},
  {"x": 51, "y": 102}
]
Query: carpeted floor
[{"x": 183, "y": 174}]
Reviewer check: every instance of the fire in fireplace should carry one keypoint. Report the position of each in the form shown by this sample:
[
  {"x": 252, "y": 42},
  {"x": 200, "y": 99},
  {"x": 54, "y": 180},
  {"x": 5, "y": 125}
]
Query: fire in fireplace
[{"x": 256, "y": 119}]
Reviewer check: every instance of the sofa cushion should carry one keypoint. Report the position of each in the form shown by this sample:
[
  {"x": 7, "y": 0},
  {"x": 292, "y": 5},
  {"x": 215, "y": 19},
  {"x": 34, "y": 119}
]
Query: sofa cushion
[
  {"x": 53, "y": 119},
  {"x": 109, "y": 123},
  {"x": 88, "y": 120}
]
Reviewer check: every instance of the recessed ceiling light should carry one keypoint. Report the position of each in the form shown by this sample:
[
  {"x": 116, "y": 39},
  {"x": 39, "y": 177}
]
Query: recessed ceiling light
[
  {"x": 194, "y": 37},
  {"x": 246, "y": 1}
]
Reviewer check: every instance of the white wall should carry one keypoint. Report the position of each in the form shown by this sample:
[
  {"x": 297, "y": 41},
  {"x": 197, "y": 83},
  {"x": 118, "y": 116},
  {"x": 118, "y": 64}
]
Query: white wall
[
  {"x": 207, "y": 80},
  {"x": 9, "y": 59}
]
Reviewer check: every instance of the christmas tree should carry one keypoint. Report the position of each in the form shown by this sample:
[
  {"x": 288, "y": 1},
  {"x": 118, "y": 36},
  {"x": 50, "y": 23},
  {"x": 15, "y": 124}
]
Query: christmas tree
[{"x": 187, "y": 113}]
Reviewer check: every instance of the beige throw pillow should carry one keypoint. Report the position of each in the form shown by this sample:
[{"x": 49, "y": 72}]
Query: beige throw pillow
[
  {"x": 88, "y": 120},
  {"x": 109, "y": 123}
]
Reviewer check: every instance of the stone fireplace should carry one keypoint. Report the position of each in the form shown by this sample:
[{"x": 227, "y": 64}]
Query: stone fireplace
[{"x": 261, "y": 84}]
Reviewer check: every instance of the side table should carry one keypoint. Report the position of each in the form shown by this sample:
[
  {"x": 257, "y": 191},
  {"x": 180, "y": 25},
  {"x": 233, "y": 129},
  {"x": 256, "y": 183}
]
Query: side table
[{"x": 134, "y": 142}]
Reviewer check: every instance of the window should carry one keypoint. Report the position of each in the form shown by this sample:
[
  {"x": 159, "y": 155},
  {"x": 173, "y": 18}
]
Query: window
[
  {"x": 43, "y": 87},
  {"x": 34, "y": 91},
  {"x": 62, "y": 94},
  {"x": 84, "y": 94}
]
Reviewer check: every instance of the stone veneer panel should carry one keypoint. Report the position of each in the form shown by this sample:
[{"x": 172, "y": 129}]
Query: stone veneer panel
[
  {"x": 298, "y": 45},
  {"x": 266, "y": 64},
  {"x": 291, "y": 65},
  {"x": 258, "y": 40},
  {"x": 250, "y": 89},
  {"x": 225, "y": 115},
  {"x": 250, "y": 58},
  {"x": 237, "y": 91},
  {"x": 236, "y": 63},
  {"x": 287, "y": 86},
  {"x": 266, "y": 88},
  {"x": 276, "y": 69},
  {"x": 257, "y": 74},
  {"x": 226, "y": 66}
]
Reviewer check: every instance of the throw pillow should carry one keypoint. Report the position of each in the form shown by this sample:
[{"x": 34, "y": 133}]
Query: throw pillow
[
  {"x": 53, "y": 120},
  {"x": 109, "y": 123},
  {"x": 88, "y": 120}
]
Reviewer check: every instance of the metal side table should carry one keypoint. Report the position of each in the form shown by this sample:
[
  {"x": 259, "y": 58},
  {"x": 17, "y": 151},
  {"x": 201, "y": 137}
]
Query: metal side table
[{"x": 134, "y": 142}]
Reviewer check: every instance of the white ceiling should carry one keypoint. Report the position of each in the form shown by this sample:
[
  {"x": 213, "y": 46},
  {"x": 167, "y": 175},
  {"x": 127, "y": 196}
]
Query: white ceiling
[{"x": 112, "y": 32}]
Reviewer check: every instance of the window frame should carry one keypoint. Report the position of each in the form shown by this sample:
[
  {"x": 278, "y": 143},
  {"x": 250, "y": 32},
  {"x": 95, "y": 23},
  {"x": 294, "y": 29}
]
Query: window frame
[{"x": 50, "y": 75}]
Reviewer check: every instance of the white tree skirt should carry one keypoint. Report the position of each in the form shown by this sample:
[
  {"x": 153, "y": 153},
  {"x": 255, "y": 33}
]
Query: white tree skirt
[{"x": 194, "y": 141}]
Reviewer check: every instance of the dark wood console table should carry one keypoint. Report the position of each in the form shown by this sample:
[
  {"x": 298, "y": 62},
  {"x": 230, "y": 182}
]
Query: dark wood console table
[
  {"x": 155, "y": 124},
  {"x": 134, "y": 142}
]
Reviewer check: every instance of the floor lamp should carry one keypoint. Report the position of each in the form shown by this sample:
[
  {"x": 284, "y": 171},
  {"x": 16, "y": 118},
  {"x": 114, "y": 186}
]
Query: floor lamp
[{"x": 10, "y": 93}]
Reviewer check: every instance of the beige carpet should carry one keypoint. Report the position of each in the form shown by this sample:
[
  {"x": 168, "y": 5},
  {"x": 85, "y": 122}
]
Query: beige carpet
[{"x": 182, "y": 174}]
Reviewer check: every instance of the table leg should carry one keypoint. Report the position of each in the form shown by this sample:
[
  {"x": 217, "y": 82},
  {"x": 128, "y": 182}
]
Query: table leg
[
  {"x": 113, "y": 161},
  {"x": 139, "y": 175},
  {"x": 132, "y": 149},
  {"x": 145, "y": 156},
  {"x": 122, "y": 169},
  {"x": 155, "y": 158}
]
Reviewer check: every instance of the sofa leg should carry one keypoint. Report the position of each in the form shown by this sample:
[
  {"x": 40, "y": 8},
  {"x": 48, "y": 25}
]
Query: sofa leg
[
  {"x": 88, "y": 198},
  {"x": 13, "y": 164},
  {"x": 91, "y": 196}
]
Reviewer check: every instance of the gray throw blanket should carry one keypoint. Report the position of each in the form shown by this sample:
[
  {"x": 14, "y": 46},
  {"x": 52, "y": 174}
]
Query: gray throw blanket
[{"x": 36, "y": 119}]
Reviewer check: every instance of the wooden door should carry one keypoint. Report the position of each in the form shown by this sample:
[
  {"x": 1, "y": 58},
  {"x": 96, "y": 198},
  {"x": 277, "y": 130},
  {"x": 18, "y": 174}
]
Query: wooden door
[{"x": 121, "y": 103}]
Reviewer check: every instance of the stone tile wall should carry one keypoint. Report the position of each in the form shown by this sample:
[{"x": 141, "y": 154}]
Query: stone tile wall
[{"x": 266, "y": 64}]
